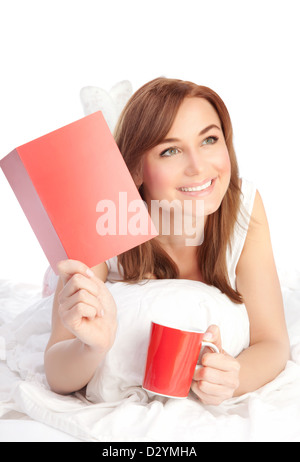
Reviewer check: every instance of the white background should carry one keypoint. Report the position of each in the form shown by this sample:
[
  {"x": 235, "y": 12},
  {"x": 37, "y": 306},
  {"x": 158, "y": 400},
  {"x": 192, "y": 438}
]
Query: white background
[{"x": 247, "y": 51}]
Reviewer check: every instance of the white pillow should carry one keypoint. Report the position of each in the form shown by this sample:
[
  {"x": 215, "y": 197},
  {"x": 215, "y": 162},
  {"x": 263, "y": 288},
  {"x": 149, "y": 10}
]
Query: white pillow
[{"x": 175, "y": 302}]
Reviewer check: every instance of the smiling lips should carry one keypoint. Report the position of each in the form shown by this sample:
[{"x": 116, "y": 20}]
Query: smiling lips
[{"x": 196, "y": 188}]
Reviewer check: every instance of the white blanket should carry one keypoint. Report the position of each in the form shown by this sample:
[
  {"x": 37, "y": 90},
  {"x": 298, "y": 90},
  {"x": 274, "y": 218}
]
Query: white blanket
[{"x": 272, "y": 413}]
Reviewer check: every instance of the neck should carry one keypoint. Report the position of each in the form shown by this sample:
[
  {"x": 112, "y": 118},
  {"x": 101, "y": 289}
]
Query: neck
[
  {"x": 186, "y": 259},
  {"x": 178, "y": 230}
]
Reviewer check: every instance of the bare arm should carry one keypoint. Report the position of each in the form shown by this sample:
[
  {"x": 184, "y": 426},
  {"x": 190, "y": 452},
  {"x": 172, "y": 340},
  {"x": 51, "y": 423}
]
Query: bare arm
[
  {"x": 83, "y": 326},
  {"x": 258, "y": 282}
]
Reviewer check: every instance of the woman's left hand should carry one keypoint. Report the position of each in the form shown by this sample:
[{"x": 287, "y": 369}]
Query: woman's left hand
[{"x": 218, "y": 379}]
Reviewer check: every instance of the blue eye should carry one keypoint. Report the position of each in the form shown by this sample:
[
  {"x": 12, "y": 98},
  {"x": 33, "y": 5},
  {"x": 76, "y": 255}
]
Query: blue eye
[
  {"x": 169, "y": 152},
  {"x": 210, "y": 140}
]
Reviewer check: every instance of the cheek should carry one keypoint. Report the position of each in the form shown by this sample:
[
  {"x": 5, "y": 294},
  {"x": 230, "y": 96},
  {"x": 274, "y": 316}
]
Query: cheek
[
  {"x": 155, "y": 180},
  {"x": 223, "y": 164}
]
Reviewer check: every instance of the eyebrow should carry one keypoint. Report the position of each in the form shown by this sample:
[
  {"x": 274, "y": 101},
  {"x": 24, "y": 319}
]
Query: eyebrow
[{"x": 205, "y": 130}]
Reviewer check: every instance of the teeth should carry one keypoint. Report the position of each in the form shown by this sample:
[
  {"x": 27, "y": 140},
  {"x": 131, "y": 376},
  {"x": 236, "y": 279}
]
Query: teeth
[{"x": 197, "y": 188}]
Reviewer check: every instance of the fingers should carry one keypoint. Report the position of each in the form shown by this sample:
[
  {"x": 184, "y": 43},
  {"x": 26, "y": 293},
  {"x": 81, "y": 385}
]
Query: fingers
[
  {"x": 81, "y": 293},
  {"x": 213, "y": 335},
  {"x": 211, "y": 394},
  {"x": 85, "y": 305},
  {"x": 81, "y": 296},
  {"x": 218, "y": 379},
  {"x": 75, "y": 276},
  {"x": 221, "y": 362},
  {"x": 73, "y": 317},
  {"x": 67, "y": 268},
  {"x": 218, "y": 368},
  {"x": 215, "y": 393},
  {"x": 78, "y": 282}
]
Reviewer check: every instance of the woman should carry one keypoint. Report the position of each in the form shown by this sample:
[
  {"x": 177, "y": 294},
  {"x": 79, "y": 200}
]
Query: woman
[{"x": 176, "y": 139}]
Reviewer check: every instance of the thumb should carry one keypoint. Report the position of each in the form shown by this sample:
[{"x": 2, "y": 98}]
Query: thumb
[{"x": 213, "y": 335}]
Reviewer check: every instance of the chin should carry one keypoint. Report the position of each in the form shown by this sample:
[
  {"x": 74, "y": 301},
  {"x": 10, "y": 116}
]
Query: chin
[{"x": 209, "y": 209}]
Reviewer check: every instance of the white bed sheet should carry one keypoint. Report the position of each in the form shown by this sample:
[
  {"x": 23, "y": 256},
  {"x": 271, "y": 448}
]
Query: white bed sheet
[
  {"x": 30, "y": 431},
  {"x": 30, "y": 411}
]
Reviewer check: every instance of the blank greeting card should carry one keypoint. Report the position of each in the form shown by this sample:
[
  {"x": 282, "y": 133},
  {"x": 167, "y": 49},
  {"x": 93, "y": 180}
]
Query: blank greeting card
[{"x": 77, "y": 193}]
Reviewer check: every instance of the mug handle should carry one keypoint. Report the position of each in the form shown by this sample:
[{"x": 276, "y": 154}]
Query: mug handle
[{"x": 212, "y": 346}]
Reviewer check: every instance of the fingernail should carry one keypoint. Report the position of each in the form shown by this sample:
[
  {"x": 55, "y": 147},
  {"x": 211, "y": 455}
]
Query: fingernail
[{"x": 89, "y": 272}]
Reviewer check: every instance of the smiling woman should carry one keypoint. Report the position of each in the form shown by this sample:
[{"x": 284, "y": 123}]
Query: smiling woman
[
  {"x": 168, "y": 111},
  {"x": 194, "y": 167},
  {"x": 176, "y": 139}
]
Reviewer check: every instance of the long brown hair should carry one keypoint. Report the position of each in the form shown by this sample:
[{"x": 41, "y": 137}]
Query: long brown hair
[{"x": 144, "y": 123}]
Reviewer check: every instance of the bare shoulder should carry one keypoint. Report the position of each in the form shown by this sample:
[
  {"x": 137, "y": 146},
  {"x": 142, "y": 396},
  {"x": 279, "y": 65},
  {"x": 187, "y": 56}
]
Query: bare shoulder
[
  {"x": 258, "y": 226},
  {"x": 258, "y": 247}
]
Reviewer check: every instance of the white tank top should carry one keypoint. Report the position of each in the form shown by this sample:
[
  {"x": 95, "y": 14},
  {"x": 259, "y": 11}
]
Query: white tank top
[
  {"x": 241, "y": 229},
  {"x": 176, "y": 302}
]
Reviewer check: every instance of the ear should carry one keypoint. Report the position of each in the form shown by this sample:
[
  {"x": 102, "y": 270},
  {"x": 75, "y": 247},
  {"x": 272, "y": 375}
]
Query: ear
[
  {"x": 138, "y": 177},
  {"x": 138, "y": 182}
]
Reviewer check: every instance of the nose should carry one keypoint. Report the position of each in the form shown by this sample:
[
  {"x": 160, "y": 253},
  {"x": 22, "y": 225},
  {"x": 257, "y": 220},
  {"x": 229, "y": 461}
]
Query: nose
[{"x": 194, "y": 164}]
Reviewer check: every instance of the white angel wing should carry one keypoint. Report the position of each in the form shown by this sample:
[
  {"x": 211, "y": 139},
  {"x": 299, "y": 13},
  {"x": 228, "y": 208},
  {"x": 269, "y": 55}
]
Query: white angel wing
[{"x": 109, "y": 103}]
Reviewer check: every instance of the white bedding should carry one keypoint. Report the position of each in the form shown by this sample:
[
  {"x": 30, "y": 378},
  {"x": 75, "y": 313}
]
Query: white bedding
[{"x": 269, "y": 414}]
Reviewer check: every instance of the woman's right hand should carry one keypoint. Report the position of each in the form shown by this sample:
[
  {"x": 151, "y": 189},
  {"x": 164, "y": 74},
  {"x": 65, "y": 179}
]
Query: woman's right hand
[{"x": 86, "y": 307}]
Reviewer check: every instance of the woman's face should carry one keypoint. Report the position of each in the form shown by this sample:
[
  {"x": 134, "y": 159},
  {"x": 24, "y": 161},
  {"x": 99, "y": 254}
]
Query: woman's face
[{"x": 192, "y": 162}]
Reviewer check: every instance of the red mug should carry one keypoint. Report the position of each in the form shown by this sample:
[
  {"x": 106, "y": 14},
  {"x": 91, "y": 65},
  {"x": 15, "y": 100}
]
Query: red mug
[{"x": 172, "y": 359}]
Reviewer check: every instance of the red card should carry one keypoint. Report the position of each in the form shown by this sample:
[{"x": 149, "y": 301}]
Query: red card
[{"x": 77, "y": 193}]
